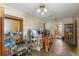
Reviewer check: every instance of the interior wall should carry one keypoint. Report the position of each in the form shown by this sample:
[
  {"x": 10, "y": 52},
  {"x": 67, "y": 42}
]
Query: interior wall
[
  {"x": 33, "y": 22},
  {"x": 67, "y": 20},
  {"x": 51, "y": 24},
  {"x": 28, "y": 20}
]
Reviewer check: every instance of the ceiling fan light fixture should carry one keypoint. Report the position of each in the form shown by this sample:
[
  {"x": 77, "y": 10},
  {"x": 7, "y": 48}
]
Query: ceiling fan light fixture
[{"x": 42, "y": 10}]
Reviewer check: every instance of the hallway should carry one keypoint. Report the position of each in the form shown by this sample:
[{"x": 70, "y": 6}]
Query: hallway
[
  {"x": 58, "y": 48},
  {"x": 32, "y": 28}
]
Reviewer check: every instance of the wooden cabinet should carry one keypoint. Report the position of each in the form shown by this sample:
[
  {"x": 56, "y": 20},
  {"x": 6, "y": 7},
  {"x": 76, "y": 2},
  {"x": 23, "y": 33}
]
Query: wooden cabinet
[{"x": 70, "y": 32}]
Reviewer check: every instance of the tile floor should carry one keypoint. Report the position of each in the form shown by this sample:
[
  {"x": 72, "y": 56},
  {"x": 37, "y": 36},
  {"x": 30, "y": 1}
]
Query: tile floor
[{"x": 58, "y": 48}]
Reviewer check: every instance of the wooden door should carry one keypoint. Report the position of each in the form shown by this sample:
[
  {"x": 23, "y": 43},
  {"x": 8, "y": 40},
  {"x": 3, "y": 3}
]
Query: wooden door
[
  {"x": 0, "y": 36},
  {"x": 1, "y": 30}
]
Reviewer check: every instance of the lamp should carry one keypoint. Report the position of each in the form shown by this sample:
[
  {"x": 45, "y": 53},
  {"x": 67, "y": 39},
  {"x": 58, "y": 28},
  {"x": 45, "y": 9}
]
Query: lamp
[{"x": 42, "y": 10}]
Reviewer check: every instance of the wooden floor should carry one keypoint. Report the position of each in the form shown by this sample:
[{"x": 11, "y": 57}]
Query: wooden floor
[{"x": 58, "y": 48}]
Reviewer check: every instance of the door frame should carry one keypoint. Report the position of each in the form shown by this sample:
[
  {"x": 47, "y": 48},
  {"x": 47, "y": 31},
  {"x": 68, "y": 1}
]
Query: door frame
[
  {"x": 11, "y": 17},
  {"x": 2, "y": 18},
  {"x": 1, "y": 30},
  {"x": 2, "y": 35}
]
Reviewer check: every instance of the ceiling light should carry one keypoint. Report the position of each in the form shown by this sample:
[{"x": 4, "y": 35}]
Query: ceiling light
[
  {"x": 42, "y": 10},
  {"x": 45, "y": 9},
  {"x": 38, "y": 10},
  {"x": 42, "y": 13}
]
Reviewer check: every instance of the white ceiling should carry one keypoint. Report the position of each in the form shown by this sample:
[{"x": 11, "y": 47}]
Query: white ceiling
[{"x": 59, "y": 10}]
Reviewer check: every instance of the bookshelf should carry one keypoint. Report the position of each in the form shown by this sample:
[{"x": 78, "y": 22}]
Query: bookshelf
[{"x": 70, "y": 33}]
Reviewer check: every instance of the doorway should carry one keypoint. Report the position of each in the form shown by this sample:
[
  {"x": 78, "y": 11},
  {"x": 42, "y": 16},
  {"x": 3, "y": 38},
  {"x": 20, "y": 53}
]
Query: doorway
[
  {"x": 59, "y": 30},
  {"x": 13, "y": 31}
]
